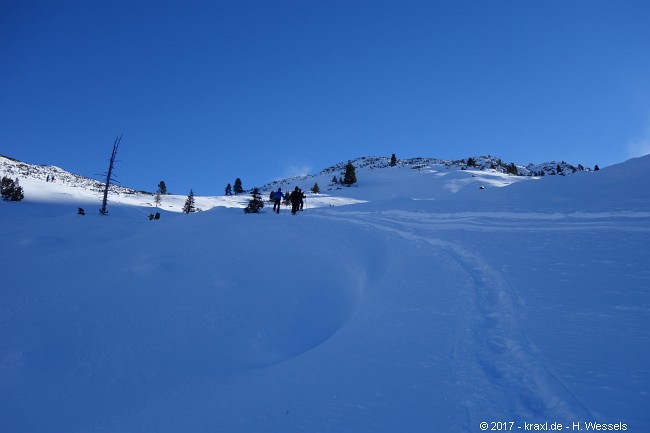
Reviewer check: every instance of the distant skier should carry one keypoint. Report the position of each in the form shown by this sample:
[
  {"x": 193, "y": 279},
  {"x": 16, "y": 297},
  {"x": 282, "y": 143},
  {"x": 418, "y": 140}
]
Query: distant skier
[
  {"x": 296, "y": 199},
  {"x": 277, "y": 199}
]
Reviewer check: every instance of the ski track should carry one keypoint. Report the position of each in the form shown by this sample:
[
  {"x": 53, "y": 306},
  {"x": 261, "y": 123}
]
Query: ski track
[{"x": 506, "y": 379}]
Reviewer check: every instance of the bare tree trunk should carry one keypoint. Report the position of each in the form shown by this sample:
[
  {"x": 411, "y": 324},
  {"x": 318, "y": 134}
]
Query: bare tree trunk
[{"x": 109, "y": 175}]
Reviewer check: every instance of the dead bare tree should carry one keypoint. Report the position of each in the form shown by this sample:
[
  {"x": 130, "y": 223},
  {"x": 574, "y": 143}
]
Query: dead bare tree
[{"x": 109, "y": 175}]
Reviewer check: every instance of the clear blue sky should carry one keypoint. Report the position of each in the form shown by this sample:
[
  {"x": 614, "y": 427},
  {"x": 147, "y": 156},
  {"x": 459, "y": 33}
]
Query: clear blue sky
[{"x": 205, "y": 92}]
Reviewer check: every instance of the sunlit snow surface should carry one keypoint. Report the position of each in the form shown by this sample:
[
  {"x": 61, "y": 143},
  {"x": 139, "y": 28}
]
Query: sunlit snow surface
[{"x": 413, "y": 302}]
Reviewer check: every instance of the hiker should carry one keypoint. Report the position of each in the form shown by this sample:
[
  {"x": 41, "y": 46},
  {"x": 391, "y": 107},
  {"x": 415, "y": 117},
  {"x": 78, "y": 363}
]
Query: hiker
[
  {"x": 80, "y": 211},
  {"x": 296, "y": 199},
  {"x": 277, "y": 199},
  {"x": 157, "y": 216},
  {"x": 303, "y": 197},
  {"x": 150, "y": 217}
]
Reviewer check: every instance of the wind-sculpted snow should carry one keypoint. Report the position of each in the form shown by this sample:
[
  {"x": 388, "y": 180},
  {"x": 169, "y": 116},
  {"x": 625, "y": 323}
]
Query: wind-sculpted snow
[{"x": 117, "y": 312}]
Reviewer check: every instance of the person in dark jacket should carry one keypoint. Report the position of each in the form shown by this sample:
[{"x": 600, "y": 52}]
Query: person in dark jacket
[
  {"x": 277, "y": 199},
  {"x": 296, "y": 198}
]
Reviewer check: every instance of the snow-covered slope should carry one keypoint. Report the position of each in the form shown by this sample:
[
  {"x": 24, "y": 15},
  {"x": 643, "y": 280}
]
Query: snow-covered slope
[
  {"x": 426, "y": 304},
  {"x": 426, "y": 178}
]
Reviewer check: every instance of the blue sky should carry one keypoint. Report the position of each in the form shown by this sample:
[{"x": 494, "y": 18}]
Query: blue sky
[{"x": 205, "y": 92}]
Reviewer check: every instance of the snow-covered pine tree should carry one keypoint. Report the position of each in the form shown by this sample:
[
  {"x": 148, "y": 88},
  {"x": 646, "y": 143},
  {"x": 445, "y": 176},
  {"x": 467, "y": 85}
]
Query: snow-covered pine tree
[
  {"x": 393, "y": 160},
  {"x": 189, "y": 203},
  {"x": 256, "y": 203},
  {"x": 228, "y": 189},
  {"x": 315, "y": 189},
  {"x": 162, "y": 188}
]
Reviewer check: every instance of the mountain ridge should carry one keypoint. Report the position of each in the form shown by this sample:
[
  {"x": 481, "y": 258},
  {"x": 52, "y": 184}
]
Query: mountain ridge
[{"x": 13, "y": 168}]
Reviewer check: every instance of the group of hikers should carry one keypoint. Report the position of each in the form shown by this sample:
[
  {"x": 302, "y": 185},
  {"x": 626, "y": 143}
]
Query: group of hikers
[{"x": 296, "y": 198}]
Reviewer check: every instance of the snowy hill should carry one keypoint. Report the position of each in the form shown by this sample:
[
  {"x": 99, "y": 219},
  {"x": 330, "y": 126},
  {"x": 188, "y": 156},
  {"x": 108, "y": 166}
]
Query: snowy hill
[
  {"x": 18, "y": 169},
  {"x": 415, "y": 177},
  {"x": 426, "y": 304}
]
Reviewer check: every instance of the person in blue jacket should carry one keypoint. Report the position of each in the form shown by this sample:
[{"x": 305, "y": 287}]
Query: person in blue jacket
[{"x": 277, "y": 199}]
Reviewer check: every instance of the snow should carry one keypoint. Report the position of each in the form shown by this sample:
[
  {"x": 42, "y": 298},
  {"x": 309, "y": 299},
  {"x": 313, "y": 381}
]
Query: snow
[{"x": 412, "y": 302}]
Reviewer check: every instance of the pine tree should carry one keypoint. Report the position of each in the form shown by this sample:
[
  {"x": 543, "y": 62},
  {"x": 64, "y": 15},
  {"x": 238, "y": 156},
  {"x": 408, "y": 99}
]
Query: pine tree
[
  {"x": 11, "y": 189},
  {"x": 228, "y": 189},
  {"x": 315, "y": 189},
  {"x": 596, "y": 168},
  {"x": 471, "y": 162},
  {"x": 334, "y": 180},
  {"x": 256, "y": 203},
  {"x": 512, "y": 169},
  {"x": 162, "y": 189},
  {"x": 350, "y": 175},
  {"x": 6, "y": 188},
  {"x": 238, "y": 186},
  {"x": 393, "y": 160},
  {"x": 189, "y": 203},
  {"x": 18, "y": 194}
]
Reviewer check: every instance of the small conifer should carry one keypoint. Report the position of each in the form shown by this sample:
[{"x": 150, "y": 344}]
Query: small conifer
[
  {"x": 255, "y": 203},
  {"x": 189, "y": 203},
  {"x": 350, "y": 175},
  {"x": 11, "y": 189},
  {"x": 237, "y": 188}
]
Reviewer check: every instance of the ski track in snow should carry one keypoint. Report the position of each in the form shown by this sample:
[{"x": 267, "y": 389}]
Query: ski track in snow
[{"x": 494, "y": 363}]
